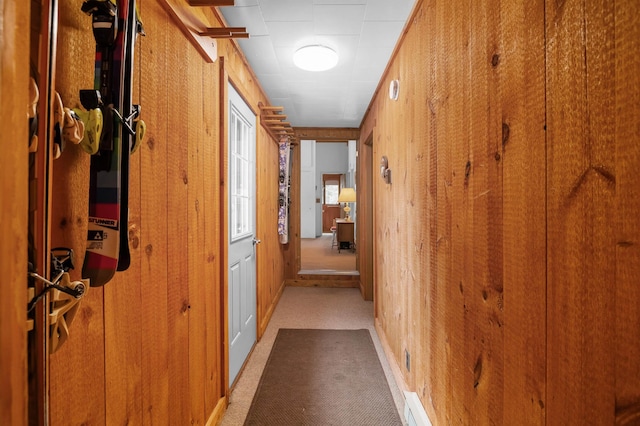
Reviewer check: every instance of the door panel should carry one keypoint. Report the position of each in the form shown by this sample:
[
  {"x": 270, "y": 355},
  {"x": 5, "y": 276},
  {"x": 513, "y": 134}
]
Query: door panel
[
  {"x": 242, "y": 261},
  {"x": 329, "y": 213}
]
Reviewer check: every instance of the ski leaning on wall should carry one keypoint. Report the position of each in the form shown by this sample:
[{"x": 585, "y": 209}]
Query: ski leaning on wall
[
  {"x": 115, "y": 29},
  {"x": 284, "y": 187}
]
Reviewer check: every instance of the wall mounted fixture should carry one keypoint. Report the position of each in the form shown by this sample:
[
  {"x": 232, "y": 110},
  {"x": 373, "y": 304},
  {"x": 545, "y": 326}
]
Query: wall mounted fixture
[
  {"x": 385, "y": 172},
  {"x": 394, "y": 90},
  {"x": 315, "y": 58}
]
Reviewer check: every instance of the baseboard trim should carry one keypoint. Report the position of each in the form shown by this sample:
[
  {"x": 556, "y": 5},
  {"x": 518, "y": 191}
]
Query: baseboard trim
[
  {"x": 218, "y": 412},
  {"x": 269, "y": 313}
]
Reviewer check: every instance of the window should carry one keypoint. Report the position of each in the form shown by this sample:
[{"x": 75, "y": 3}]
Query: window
[{"x": 240, "y": 135}]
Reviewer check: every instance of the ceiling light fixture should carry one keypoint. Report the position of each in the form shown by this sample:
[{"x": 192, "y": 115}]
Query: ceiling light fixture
[{"x": 315, "y": 58}]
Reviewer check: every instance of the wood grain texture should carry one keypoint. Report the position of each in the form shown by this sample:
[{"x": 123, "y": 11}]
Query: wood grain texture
[
  {"x": 327, "y": 134},
  {"x": 627, "y": 205},
  {"x": 483, "y": 277},
  {"x": 14, "y": 184},
  {"x": 269, "y": 268},
  {"x": 178, "y": 273},
  {"x": 581, "y": 182},
  {"x": 195, "y": 247},
  {"x": 85, "y": 347},
  {"x": 151, "y": 342},
  {"x": 522, "y": 151},
  {"x": 149, "y": 205},
  {"x": 444, "y": 110},
  {"x": 214, "y": 384},
  {"x": 367, "y": 172}
]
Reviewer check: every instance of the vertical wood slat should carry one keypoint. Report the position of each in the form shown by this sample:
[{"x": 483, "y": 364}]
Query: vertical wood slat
[
  {"x": 523, "y": 155},
  {"x": 581, "y": 190},
  {"x": 85, "y": 347},
  {"x": 270, "y": 270},
  {"x": 151, "y": 202},
  {"x": 456, "y": 39},
  {"x": 211, "y": 203},
  {"x": 483, "y": 192},
  {"x": 14, "y": 167},
  {"x": 440, "y": 408},
  {"x": 197, "y": 296},
  {"x": 178, "y": 273},
  {"x": 627, "y": 206}
]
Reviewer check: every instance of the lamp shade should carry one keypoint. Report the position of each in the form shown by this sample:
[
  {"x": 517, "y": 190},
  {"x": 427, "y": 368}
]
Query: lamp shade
[{"x": 347, "y": 195}]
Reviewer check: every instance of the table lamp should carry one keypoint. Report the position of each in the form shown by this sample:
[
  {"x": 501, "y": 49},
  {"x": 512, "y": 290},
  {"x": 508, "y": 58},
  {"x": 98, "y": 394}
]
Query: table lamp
[{"x": 347, "y": 195}]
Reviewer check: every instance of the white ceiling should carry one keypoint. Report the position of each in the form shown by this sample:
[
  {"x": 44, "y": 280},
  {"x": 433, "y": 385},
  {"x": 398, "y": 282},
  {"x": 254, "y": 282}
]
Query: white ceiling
[{"x": 363, "y": 32}]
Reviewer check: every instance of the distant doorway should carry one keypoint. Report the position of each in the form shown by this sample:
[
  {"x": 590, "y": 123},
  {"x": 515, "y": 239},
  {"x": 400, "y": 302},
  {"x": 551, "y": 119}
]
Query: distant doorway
[
  {"x": 331, "y": 185},
  {"x": 325, "y": 169}
]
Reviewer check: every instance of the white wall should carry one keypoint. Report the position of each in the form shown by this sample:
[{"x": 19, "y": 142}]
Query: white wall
[{"x": 307, "y": 189}]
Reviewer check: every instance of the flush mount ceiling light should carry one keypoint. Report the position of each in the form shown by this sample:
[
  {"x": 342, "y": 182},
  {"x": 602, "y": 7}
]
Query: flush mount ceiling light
[{"x": 315, "y": 58}]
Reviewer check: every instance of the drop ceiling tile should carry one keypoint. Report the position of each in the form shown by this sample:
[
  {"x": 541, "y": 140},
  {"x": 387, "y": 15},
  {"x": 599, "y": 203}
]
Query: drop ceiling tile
[
  {"x": 292, "y": 10},
  {"x": 338, "y": 19},
  {"x": 380, "y": 33},
  {"x": 340, "y": 2},
  {"x": 335, "y": 98},
  {"x": 260, "y": 54},
  {"x": 249, "y": 17},
  {"x": 385, "y": 10},
  {"x": 290, "y": 33},
  {"x": 242, "y": 3}
]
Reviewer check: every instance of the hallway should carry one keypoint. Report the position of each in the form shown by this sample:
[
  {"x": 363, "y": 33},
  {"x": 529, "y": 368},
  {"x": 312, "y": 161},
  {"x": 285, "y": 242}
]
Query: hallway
[{"x": 306, "y": 307}]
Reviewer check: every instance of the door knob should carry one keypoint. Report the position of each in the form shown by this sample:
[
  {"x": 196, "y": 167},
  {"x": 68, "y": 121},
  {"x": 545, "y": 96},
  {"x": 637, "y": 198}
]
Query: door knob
[{"x": 256, "y": 241}]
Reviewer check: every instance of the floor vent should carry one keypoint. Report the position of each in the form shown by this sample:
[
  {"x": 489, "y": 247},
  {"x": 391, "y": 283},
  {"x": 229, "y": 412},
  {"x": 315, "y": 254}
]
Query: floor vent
[{"x": 414, "y": 412}]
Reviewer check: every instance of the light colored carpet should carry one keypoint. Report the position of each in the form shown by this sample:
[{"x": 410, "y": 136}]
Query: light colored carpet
[
  {"x": 316, "y": 254},
  {"x": 307, "y": 307},
  {"x": 323, "y": 377}
]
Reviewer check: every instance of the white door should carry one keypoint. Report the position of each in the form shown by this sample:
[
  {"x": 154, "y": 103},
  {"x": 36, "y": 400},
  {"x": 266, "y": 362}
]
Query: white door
[{"x": 242, "y": 220}]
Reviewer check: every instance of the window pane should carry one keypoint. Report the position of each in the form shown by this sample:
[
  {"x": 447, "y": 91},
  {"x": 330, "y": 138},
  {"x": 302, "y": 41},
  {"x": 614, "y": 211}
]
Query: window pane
[
  {"x": 240, "y": 220},
  {"x": 331, "y": 194}
]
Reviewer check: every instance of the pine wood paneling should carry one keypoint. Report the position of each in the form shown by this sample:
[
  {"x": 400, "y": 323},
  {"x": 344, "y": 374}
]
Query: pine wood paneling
[
  {"x": 581, "y": 183},
  {"x": 327, "y": 134},
  {"x": 155, "y": 237},
  {"x": 196, "y": 223},
  {"x": 482, "y": 195},
  {"x": 627, "y": 206},
  {"x": 85, "y": 348},
  {"x": 149, "y": 345},
  {"x": 178, "y": 272},
  {"x": 367, "y": 171},
  {"x": 587, "y": 152},
  {"x": 14, "y": 163},
  {"x": 529, "y": 314},
  {"x": 214, "y": 386},
  {"x": 522, "y": 151},
  {"x": 270, "y": 269},
  {"x": 443, "y": 110}
]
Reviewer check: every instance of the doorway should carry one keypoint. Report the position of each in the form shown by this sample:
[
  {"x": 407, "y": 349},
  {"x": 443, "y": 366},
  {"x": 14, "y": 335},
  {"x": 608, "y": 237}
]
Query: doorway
[
  {"x": 242, "y": 224},
  {"x": 325, "y": 169},
  {"x": 331, "y": 185}
]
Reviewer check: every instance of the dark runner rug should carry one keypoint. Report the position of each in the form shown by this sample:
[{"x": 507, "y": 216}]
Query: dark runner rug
[{"x": 323, "y": 377}]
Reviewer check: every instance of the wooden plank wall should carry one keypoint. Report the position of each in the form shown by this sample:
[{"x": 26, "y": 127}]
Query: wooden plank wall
[
  {"x": 148, "y": 348},
  {"x": 506, "y": 247},
  {"x": 593, "y": 258},
  {"x": 14, "y": 181}
]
